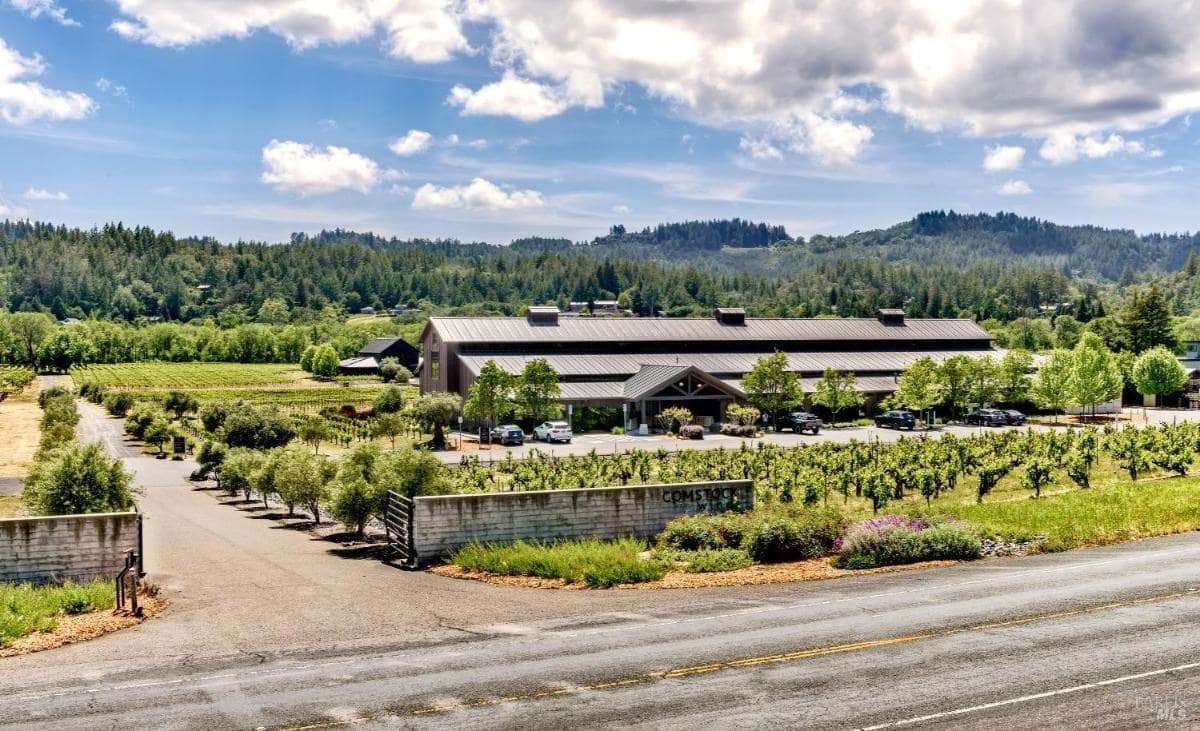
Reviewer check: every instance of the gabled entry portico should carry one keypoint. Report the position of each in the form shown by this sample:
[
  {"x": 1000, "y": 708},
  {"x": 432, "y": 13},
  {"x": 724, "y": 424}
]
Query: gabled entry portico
[{"x": 657, "y": 387}]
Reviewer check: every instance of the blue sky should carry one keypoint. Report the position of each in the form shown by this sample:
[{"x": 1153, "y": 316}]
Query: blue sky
[{"x": 491, "y": 119}]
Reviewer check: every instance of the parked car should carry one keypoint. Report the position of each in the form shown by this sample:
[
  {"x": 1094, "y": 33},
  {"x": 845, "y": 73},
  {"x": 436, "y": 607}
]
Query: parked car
[
  {"x": 553, "y": 431},
  {"x": 987, "y": 417},
  {"x": 508, "y": 434},
  {"x": 801, "y": 421},
  {"x": 1014, "y": 417},
  {"x": 897, "y": 419}
]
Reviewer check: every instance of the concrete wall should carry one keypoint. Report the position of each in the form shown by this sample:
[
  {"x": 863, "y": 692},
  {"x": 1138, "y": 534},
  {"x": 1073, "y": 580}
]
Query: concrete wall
[
  {"x": 444, "y": 523},
  {"x": 80, "y": 547}
]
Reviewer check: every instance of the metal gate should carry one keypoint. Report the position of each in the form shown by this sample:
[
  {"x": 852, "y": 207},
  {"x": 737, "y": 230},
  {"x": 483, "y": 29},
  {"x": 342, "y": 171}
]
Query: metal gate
[{"x": 398, "y": 521}]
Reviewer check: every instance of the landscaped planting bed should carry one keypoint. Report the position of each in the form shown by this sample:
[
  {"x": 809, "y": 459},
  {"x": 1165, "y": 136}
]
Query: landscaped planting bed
[{"x": 187, "y": 375}]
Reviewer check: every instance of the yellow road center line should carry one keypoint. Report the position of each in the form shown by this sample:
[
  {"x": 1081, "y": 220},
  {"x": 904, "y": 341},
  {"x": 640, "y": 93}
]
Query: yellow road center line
[{"x": 748, "y": 662}]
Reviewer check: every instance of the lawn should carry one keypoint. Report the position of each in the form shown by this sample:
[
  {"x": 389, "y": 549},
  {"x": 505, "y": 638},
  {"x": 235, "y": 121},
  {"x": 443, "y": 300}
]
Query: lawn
[
  {"x": 188, "y": 375},
  {"x": 1118, "y": 511},
  {"x": 26, "y": 608}
]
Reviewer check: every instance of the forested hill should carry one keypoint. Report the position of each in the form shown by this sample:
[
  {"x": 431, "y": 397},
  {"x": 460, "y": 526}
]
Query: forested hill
[
  {"x": 933, "y": 238},
  {"x": 130, "y": 273}
]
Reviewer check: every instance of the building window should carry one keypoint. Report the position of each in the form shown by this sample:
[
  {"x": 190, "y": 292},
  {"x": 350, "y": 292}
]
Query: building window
[{"x": 435, "y": 365}]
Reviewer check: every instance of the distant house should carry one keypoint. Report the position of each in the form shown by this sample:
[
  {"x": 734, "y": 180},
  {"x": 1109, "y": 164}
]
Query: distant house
[
  {"x": 368, "y": 358},
  {"x": 367, "y": 311}
]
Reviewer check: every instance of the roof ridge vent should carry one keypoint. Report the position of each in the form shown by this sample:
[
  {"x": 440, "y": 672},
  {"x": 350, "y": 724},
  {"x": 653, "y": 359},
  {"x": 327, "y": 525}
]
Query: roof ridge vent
[
  {"x": 731, "y": 315},
  {"x": 537, "y": 315},
  {"x": 890, "y": 316}
]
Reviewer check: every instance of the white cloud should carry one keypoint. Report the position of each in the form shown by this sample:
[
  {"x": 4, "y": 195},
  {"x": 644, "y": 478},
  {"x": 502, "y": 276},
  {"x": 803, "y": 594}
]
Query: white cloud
[
  {"x": 1014, "y": 187},
  {"x": 328, "y": 124},
  {"x": 621, "y": 210},
  {"x": 392, "y": 174},
  {"x": 426, "y": 31},
  {"x": 514, "y": 97},
  {"x": 23, "y": 101},
  {"x": 1067, "y": 147},
  {"x": 759, "y": 149},
  {"x": 796, "y": 74},
  {"x": 1003, "y": 157},
  {"x": 291, "y": 215},
  {"x": 41, "y": 194},
  {"x": 478, "y": 194},
  {"x": 308, "y": 169},
  {"x": 414, "y": 142},
  {"x": 49, "y": 8},
  {"x": 478, "y": 144},
  {"x": 8, "y": 210},
  {"x": 109, "y": 87}
]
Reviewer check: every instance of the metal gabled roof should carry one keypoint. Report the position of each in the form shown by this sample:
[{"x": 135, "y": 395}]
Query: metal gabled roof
[
  {"x": 651, "y": 379},
  {"x": 518, "y": 330}
]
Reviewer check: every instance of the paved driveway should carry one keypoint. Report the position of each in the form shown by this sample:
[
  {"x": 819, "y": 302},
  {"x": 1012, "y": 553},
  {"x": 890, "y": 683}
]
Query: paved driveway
[{"x": 242, "y": 582}]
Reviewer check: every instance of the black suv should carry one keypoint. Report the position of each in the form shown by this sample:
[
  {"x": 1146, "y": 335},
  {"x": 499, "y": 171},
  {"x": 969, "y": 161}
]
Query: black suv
[
  {"x": 896, "y": 420},
  {"x": 987, "y": 417},
  {"x": 801, "y": 421}
]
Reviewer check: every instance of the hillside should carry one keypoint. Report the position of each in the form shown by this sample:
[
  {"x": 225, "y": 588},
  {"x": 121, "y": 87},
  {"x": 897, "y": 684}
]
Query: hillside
[
  {"x": 932, "y": 238},
  {"x": 128, "y": 273}
]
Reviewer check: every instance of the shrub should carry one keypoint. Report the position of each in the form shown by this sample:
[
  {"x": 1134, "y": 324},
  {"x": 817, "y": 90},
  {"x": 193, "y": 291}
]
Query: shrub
[
  {"x": 690, "y": 533},
  {"x": 118, "y": 403},
  {"x": 410, "y": 472},
  {"x": 210, "y": 456},
  {"x": 739, "y": 430},
  {"x": 139, "y": 418},
  {"x": 78, "y": 480},
  {"x": 707, "y": 560},
  {"x": 91, "y": 391},
  {"x": 691, "y": 431},
  {"x": 180, "y": 403},
  {"x": 893, "y": 539},
  {"x": 618, "y": 431},
  {"x": 52, "y": 394},
  {"x": 212, "y": 415},
  {"x": 780, "y": 539}
]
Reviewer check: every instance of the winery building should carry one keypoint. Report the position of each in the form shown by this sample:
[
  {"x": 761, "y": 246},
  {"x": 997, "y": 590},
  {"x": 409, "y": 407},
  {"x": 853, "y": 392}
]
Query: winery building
[{"x": 642, "y": 365}]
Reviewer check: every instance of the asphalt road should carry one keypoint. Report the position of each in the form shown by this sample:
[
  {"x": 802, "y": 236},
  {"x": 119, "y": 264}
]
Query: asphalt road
[{"x": 1105, "y": 638}]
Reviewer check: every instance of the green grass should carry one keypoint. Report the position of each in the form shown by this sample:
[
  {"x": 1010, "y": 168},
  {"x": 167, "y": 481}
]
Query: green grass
[
  {"x": 706, "y": 560},
  {"x": 599, "y": 564},
  {"x": 187, "y": 375},
  {"x": 1112, "y": 513},
  {"x": 26, "y": 608}
]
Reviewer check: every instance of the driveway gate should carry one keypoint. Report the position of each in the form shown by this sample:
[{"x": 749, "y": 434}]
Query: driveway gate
[{"x": 398, "y": 521}]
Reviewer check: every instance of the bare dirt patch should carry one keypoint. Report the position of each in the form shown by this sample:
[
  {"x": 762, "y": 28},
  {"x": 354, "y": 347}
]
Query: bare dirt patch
[
  {"x": 779, "y": 573},
  {"x": 83, "y": 627},
  {"x": 19, "y": 433}
]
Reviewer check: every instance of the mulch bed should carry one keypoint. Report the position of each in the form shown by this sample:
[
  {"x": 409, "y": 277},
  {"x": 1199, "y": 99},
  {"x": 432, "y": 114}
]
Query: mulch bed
[
  {"x": 83, "y": 627},
  {"x": 778, "y": 573}
]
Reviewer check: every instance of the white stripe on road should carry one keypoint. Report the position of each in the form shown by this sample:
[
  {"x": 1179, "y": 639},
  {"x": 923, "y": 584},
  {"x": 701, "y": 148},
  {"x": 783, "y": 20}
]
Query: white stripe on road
[{"x": 1033, "y": 697}]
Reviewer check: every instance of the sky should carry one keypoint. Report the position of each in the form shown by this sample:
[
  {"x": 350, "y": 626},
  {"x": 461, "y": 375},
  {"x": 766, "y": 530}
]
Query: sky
[{"x": 488, "y": 120}]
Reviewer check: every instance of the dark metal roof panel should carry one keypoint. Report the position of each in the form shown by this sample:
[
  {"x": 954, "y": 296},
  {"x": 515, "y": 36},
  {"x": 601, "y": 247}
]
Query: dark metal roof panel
[
  {"x": 627, "y": 364},
  {"x": 481, "y": 330}
]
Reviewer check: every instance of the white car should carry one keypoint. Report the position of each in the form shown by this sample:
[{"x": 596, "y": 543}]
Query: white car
[{"x": 553, "y": 431}]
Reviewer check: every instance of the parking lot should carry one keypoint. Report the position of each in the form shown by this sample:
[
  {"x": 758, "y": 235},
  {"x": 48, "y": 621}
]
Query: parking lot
[{"x": 613, "y": 444}]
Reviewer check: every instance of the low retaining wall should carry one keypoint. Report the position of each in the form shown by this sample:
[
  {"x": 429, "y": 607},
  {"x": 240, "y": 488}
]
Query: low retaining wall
[
  {"x": 80, "y": 547},
  {"x": 443, "y": 523}
]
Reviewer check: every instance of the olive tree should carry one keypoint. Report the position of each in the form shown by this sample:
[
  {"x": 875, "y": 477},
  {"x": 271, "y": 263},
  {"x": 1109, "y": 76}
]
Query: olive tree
[
  {"x": 434, "y": 410},
  {"x": 78, "y": 479}
]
